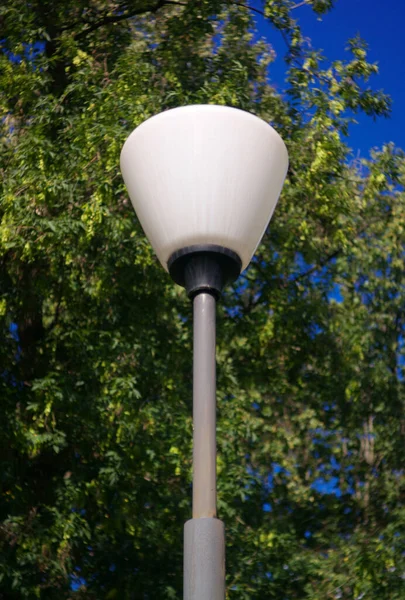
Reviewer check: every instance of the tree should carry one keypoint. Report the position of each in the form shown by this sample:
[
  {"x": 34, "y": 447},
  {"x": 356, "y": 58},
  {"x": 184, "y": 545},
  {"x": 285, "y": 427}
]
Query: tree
[{"x": 95, "y": 362}]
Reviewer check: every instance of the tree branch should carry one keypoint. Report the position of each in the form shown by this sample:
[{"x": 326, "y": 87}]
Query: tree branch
[
  {"x": 299, "y": 5},
  {"x": 318, "y": 266},
  {"x": 333, "y": 255},
  {"x": 255, "y": 10},
  {"x": 262, "y": 14},
  {"x": 126, "y": 15}
]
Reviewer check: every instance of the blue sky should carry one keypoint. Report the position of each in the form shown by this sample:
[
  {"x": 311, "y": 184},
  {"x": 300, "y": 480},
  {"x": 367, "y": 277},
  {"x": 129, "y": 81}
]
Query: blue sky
[{"x": 381, "y": 25}]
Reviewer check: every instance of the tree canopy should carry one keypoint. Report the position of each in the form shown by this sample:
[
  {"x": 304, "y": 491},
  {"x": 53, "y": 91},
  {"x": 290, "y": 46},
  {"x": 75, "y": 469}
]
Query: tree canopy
[{"x": 95, "y": 360}]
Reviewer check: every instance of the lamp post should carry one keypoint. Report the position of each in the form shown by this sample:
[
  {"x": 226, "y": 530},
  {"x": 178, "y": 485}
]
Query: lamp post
[{"x": 204, "y": 181}]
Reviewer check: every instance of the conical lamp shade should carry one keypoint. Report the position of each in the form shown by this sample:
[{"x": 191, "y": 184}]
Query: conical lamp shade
[{"x": 204, "y": 175}]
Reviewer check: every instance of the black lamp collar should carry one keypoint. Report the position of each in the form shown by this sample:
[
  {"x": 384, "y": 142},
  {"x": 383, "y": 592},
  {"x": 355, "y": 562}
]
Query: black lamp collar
[{"x": 204, "y": 268}]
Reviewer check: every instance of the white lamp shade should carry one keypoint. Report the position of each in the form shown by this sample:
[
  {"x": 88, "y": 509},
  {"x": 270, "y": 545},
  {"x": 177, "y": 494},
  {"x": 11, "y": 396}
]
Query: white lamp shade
[{"x": 204, "y": 174}]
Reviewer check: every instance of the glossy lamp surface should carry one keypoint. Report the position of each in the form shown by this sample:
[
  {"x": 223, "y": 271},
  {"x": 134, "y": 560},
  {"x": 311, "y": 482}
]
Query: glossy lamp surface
[{"x": 204, "y": 174}]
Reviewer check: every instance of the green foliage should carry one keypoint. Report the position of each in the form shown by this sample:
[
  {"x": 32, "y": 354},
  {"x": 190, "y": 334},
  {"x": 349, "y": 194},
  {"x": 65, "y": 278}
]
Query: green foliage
[{"x": 95, "y": 382}]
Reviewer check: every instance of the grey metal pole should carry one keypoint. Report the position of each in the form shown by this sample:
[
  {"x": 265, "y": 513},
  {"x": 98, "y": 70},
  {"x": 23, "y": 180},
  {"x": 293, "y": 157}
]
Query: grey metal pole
[
  {"x": 204, "y": 408},
  {"x": 204, "y": 536}
]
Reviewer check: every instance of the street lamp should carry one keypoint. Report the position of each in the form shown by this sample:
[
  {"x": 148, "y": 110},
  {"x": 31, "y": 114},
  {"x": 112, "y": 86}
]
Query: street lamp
[{"x": 204, "y": 181}]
